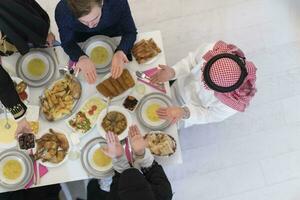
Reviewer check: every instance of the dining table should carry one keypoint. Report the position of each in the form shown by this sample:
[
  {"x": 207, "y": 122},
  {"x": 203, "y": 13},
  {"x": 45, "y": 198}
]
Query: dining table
[{"x": 72, "y": 169}]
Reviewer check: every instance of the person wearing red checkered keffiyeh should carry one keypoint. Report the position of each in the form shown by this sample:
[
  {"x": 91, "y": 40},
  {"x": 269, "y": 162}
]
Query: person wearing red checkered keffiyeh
[{"x": 212, "y": 83}]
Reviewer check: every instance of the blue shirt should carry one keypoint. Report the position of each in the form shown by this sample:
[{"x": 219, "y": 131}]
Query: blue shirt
[{"x": 116, "y": 20}]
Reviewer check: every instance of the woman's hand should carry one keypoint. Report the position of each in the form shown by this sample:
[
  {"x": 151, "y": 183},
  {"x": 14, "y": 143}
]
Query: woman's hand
[
  {"x": 118, "y": 61},
  {"x": 173, "y": 113},
  {"x": 137, "y": 141},
  {"x": 114, "y": 148},
  {"x": 164, "y": 74},
  {"x": 50, "y": 39},
  {"x": 23, "y": 127},
  {"x": 88, "y": 69}
]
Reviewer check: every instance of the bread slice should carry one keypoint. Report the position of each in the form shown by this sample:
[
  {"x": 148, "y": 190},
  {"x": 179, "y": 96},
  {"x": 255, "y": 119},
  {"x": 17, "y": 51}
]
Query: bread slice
[
  {"x": 128, "y": 78},
  {"x": 110, "y": 87},
  {"x": 116, "y": 85},
  {"x": 103, "y": 90}
]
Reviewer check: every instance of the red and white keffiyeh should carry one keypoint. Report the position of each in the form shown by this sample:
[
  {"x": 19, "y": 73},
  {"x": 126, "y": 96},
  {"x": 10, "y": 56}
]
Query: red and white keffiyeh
[{"x": 226, "y": 72}]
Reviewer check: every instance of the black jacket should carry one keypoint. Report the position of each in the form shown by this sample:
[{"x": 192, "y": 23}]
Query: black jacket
[
  {"x": 9, "y": 96},
  {"x": 23, "y": 22},
  {"x": 134, "y": 185}
]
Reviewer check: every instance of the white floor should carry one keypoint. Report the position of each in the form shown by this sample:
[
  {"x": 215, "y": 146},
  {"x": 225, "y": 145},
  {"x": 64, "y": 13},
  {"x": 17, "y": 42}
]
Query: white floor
[{"x": 254, "y": 155}]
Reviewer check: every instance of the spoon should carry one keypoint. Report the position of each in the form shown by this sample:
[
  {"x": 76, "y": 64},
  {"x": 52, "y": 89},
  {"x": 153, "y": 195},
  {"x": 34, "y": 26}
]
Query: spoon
[{"x": 7, "y": 125}]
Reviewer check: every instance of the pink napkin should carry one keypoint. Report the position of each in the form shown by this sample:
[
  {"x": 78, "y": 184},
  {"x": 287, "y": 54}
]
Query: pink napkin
[
  {"x": 149, "y": 73},
  {"x": 42, "y": 169},
  {"x": 71, "y": 64},
  {"x": 127, "y": 152}
]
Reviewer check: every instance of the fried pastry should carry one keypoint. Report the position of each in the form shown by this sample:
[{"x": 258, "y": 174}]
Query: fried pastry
[
  {"x": 144, "y": 50},
  {"x": 114, "y": 87}
]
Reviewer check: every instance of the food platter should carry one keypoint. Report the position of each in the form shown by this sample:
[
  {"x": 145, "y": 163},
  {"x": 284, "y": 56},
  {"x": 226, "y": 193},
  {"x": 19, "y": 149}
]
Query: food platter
[
  {"x": 115, "y": 109},
  {"x": 116, "y": 86},
  {"x": 52, "y": 147},
  {"x": 83, "y": 121},
  {"x": 87, "y": 163},
  {"x": 103, "y": 46},
  {"x": 22, "y": 89},
  {"x": 60, "y": 99},
  {"x": 160, "y": 143},
  {"x": 36, "y": 68},
  {"x": 146, "y": 52},
  {"x": 148, "y": 106},
  {"x": 11, "y": 160}
]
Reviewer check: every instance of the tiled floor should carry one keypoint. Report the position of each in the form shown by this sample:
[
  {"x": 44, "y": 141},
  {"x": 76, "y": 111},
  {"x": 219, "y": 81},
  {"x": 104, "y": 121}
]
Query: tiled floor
[{"x": 254, "y": 155}]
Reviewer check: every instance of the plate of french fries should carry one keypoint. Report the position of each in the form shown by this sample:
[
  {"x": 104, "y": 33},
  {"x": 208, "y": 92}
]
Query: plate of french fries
[{"x": 60, "y": 99}]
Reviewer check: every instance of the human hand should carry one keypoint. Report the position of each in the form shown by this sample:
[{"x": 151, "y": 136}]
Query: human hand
[
  {"x": 136, "y": 140},
  {"x": 118, "y": 61},
  {"x": 23, "y": 127},
  {"x": 50, "y": 39},
  {"x": 88, "y": 69},
  {"x": 173, "y": 113},
  {"x": 114, "y": 148},
  {"x": 164, "y": 74}
]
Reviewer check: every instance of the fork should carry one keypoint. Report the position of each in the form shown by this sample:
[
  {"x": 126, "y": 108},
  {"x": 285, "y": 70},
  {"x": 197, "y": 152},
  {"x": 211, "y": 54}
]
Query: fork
[{"x": 34, "y": 178}]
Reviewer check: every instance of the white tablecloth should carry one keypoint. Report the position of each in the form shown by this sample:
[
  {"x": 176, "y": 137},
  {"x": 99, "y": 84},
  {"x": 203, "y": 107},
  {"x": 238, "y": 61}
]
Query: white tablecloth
[{"x": 72, "y": 170}]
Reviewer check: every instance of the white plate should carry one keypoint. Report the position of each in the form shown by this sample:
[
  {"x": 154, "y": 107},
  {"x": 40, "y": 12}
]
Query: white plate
[
  {"x": 19, "y": 179},
  {"x": 27, "y": 166},
  {"x": 91, "y": 161},
  {"x": 86, "y": 151},
  {"x": 18, "y": 80},
  {"x": 121, "y": 96},
  {"x": 93, "y": 122},
  {"x": 101, "y": 44},
  {"x": 75, "y": 104},
  {"x": 149, "y": 62},
  {"x": 122, "y": 110},
  {"x": 163, "y": 133},
  {"x": 102, "y": 39},
  {"x": 48, "y": 164},
  {"x": 152, "y": 98},
  {"x": 152, "y": 60},
  {"x": 11, "y": 144},
  {"x": 30, "y": 57},
  {"x": 144, "y": 113},
  {"x": 22, "y": 70}
]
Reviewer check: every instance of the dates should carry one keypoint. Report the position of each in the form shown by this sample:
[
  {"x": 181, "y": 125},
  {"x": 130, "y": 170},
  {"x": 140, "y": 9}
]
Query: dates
[{"x": 27, "y": 141}]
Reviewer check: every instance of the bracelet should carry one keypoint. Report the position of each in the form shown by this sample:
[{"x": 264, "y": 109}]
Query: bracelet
[{"x": 187, "y": 112}]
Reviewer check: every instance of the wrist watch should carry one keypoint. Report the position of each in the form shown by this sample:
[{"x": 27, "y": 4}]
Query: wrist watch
[{"x": 187, "y": 112}]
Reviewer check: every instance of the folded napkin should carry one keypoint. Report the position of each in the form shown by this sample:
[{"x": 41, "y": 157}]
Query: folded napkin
[
  {"x": 150, "y": 73},
  {"x": 42, "y": 169},
  {"x": 128, "y": 152}
]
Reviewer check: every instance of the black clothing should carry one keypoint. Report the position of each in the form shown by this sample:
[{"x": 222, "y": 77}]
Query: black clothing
[
  {"x": 23, "y": 22},
  {"x": 133, "y": 185},
  {"x": 49, "y": 192},
  {"x": 9, "y": 96}
]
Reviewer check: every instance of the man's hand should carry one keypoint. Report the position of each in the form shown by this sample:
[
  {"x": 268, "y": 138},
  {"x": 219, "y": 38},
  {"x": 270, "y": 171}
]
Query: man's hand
[
  {"x": 173, "y": 113},
  {"x": 118, "y": 62},
  {"x": 50, "y": 39},
  {"x": 23, "y": 127},
  {"x": 137, "y": 141},
  {"x": 114, "y": 148},
  {"x": 164, "y": 74},
  {"x": 88, "y": 69}
]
